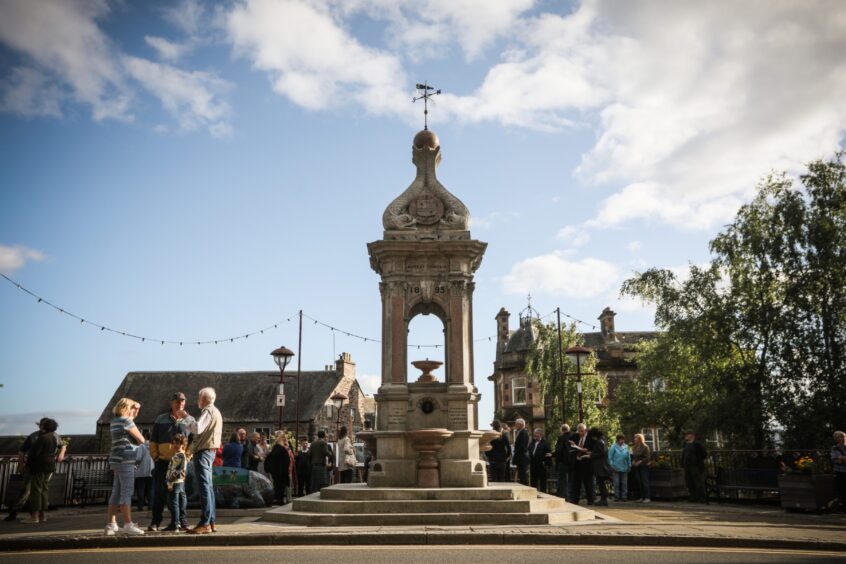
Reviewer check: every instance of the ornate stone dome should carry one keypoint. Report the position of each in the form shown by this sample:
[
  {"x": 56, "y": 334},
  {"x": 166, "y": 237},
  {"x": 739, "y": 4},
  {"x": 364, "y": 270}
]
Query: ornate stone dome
[{"x": 426, "y": 138}]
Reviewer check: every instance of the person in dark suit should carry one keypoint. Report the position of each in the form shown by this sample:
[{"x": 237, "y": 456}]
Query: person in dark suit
[
  {"x": 498, "y": 455},
  {"x": 693, "y": 460},
  {"x": 521, "y": 451},
  {"x": 562, "y": 461},
  {"x": 539, "y": 456},
  {"x": 599, "y": 463},
  {"x": 582, "y": 475}
]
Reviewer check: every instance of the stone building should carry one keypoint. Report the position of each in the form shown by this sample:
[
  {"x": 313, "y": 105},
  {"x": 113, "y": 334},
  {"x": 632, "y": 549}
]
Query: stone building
[
  {"x": 248, "y": 399},
  {"x": 517, "y": 394}
]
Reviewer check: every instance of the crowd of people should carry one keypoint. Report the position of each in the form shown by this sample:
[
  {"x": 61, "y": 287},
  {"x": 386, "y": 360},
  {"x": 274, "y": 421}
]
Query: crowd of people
[
  {"x": 585, "y": 463},
  {"x": 154, "y": 465}
]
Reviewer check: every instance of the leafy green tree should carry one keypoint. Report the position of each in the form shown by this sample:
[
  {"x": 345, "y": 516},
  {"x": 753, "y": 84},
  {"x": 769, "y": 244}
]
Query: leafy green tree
[
  {"x": 759, "y": 335},
  {"x": 543, "y": 363}
]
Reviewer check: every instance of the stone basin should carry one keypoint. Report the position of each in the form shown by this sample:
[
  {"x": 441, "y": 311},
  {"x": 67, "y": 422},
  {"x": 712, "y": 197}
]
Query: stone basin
[
  {"x": 427, "y": 442},
  {"x": 486, "y": 438},
  {"x": 426, "y": 366}
]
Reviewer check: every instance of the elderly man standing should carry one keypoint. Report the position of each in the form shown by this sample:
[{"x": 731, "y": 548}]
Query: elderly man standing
[
  {"x": 208, "y": 430},
  {"x": 165, "y": 427}
]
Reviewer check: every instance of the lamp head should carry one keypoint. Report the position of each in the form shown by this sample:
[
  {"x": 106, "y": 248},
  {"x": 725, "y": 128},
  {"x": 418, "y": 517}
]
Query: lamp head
[{"x": 282, "y": 356}]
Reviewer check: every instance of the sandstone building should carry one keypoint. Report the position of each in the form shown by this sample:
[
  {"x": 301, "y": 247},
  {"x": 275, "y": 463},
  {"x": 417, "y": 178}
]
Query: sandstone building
[{"x": 517, "y": 394}]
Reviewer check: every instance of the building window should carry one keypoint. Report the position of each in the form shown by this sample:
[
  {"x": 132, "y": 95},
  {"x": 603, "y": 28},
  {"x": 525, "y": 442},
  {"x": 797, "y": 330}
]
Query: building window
[
  {"x": 519, "y": 387},
  {"x": 653, "y": 437},
  {"x": 263, "y": 430}
]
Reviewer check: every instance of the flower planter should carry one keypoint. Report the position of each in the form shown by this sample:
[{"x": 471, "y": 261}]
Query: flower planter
[
  {"x": 667, "y": 483},
  {"x": 810, "y": 492}
]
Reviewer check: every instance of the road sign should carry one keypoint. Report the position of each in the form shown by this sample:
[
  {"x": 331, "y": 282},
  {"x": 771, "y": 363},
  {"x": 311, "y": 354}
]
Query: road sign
[
  {"x": 280, "y": 400},
  {"x": 281, "y": 389}
]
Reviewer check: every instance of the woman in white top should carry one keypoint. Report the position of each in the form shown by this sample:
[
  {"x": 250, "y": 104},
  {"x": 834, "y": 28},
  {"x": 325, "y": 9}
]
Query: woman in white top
[{"x": 347, "y": 458}]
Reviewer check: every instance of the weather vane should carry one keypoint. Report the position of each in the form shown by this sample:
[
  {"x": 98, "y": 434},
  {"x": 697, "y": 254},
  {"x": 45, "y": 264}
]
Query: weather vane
[{"x": 425, "y": 92}]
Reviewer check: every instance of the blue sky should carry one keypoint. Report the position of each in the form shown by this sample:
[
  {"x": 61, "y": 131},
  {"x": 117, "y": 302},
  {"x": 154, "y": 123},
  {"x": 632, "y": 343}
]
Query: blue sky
[{"x": 193, "y": 171}]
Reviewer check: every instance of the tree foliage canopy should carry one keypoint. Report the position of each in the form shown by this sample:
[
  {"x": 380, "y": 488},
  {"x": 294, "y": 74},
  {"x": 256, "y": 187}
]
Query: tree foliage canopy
[{"x": 754, "y": 344}]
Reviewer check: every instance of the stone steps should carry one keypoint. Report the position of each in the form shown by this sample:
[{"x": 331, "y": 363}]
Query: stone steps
[
  {"x": 288, "y": 516},
  {"x": 359, "y": 505},
  {"x": 316, "y": 505},
  {"x": 494, "y": 491}
]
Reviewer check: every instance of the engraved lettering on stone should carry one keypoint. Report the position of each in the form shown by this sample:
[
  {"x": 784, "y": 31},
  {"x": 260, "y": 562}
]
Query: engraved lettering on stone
[{"x": 457, "y": 416}]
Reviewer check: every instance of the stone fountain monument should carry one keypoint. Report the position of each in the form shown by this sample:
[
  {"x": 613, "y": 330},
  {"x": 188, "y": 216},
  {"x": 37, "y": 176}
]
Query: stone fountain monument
[
  {"x": 427, "y": 466},
  {"x": 427, "y": 431}
]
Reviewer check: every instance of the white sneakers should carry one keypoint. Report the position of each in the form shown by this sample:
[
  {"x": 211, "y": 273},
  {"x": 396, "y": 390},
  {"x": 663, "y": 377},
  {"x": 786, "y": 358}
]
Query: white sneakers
[
  {"x": 132, "y": 529},
  {"x": 128, "y": 529}
]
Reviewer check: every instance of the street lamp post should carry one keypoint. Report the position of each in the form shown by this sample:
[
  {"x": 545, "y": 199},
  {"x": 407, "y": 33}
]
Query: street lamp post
[
  {"x": 281, "y": 356},
  {"x": 575, "y": 354},
  {"x": 338, "y": 401}
]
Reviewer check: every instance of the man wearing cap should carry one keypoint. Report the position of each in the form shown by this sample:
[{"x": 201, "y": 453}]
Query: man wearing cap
[
  {"x": 23, "y": 496},
  {"x": 166, "y": 426}
]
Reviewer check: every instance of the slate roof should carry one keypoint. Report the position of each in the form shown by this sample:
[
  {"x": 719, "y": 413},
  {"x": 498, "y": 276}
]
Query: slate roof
[
  {"x": 626, "y": 338},
  {"x": 521, "y": 340},
  {"x": 241, "y": 396}
]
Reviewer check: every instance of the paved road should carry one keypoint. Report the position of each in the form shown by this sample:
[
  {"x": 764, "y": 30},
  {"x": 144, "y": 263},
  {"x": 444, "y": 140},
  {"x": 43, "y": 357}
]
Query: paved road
[{"x": 424, "y": 555}]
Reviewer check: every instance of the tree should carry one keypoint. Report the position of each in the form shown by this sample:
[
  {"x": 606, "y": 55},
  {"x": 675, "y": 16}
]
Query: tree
[
  {"x": 542, "y": 362},
  {"x": 764, "y": 325}
]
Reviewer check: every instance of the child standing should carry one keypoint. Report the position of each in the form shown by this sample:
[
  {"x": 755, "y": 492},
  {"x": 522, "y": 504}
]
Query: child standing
[{"x": 176, "y": 481}]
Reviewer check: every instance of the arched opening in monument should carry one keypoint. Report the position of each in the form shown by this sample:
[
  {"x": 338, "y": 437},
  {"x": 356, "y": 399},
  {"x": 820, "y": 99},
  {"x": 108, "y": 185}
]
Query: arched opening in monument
[{"x": 426, "y": 341}]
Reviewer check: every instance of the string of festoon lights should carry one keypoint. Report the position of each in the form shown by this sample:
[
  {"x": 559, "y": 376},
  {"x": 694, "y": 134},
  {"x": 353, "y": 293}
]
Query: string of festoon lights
[{"x": 223, "y": 340}]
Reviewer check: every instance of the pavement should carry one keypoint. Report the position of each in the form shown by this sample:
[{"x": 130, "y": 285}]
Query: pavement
[{"x": 672, "y": 524}]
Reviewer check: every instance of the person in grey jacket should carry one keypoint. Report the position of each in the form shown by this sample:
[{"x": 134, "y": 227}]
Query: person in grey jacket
[{"x": 599, "y": 462}]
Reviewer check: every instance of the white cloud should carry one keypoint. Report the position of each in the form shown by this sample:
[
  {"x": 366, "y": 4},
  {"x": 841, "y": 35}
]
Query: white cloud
[
  {"x": 29, "y": 92},
  {"x": 70, "y": 58},
  {"x": 63, "y": 38},
  {"x": 191, "y": 97},
  {"x": 168, "y": 50},
  {"x": 13, "y": 258},
  {"x": 634, "y": 246},
  {"x": 554, "y": 275},
  {"x": 574, "y": 235},
  {"x": 312, "y": 59}
]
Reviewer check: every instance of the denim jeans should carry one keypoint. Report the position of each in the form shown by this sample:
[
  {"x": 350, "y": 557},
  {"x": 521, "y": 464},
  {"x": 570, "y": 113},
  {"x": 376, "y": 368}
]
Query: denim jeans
[
  {"x": 143, "y": 492},
  {"x": 123, "y": 484},
  {"x": 177, "y": 502},
  {"x": 203, "y": 467},
  {"x": 621, "y": 484},
  {"x": 643, "y": 481}
]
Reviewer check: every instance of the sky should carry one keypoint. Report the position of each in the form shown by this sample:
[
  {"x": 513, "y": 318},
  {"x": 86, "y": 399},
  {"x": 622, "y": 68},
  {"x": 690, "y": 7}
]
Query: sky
[{"x": 198, "y": 171}]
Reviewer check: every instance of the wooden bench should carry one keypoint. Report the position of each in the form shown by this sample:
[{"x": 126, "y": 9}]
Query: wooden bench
[
  {"x": 89, "y": 485},
  {"x": 757, "y": 480}
]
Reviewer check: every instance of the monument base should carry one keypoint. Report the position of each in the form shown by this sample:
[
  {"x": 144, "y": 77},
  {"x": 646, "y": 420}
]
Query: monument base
[{"x": 497, "y": 504}]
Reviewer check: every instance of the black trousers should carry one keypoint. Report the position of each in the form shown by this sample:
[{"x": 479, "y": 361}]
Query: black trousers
[
  {"x": 523, "y": 473},
  {"x": 582, "y": 477},
  {"x": 499, "y": 471},
  {"x": 539, "y": 477},
  {"x": 160, "y": 487},
  {"x": 281, "y": 481}
]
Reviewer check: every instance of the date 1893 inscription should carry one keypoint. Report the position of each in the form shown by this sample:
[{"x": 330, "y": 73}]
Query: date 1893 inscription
[
  {"x": 457, "y": 416},
  {"x": 396, "y": 416}
]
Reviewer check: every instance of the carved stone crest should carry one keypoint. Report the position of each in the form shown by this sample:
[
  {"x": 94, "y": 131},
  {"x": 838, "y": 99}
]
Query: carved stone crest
[{"x": 426, "y": 209}]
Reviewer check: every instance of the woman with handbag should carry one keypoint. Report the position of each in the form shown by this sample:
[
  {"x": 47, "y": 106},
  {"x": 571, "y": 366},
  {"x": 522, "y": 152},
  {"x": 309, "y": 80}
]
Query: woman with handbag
[{"x": 345, "y": 447}]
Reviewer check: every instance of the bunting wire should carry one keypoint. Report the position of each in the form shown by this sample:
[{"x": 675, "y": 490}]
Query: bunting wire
[{"x": 144, "y": 339}]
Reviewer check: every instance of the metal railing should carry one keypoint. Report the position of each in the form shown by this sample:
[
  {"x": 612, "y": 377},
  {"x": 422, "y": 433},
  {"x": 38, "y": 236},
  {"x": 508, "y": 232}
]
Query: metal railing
[{"x": 70, "y": 466}]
